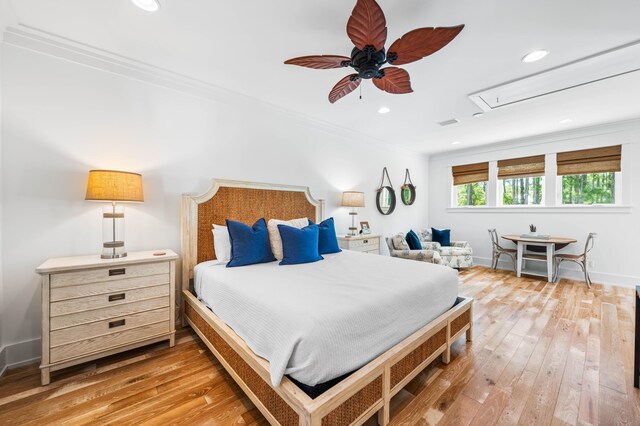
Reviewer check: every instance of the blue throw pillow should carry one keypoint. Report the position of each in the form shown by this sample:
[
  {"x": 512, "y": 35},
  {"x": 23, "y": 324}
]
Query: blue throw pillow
[
  {"x": 413, "y": 241},
  {"x": 299, "y": 245},
  {"x": 441, "y": 236},
  {"x": 327, "y": 239},
  {"x": 249, "y": 245}
]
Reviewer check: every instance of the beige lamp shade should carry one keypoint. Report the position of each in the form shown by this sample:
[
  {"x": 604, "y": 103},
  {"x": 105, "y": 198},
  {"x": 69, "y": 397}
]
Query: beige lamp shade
[
  {"x": 111, "y": 185},
  {"x": 352, "y": 199}
]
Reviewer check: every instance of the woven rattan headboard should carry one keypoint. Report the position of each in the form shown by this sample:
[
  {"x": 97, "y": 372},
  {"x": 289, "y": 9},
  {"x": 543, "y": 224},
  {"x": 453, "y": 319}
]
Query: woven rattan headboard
[{"x": 242, "y": 201}]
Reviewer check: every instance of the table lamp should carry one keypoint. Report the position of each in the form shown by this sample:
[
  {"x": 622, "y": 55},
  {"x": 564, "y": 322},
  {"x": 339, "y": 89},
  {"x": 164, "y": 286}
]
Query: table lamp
[
  {"x": 354, "y": 200},
  {"x": 115, "y": 187}
]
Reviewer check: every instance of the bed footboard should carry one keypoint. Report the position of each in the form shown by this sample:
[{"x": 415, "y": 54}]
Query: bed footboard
[{"x": 354, "y": 399}]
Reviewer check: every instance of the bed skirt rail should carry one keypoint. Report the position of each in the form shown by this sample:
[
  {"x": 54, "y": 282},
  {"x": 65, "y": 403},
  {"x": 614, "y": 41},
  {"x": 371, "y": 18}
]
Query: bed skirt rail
[{"x": 350, "y": 402}]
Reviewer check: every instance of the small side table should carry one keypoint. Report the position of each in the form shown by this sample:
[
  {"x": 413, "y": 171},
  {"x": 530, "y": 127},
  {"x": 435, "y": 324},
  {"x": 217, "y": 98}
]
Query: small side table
[{"x": 363, "y": 243}]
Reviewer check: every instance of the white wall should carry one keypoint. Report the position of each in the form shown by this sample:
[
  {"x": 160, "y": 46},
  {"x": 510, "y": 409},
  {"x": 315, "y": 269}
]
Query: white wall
[
  {"x": 614, "y": 255},
  {"x": 62, "y": 119},
  {"x": 6, "y": 18}
]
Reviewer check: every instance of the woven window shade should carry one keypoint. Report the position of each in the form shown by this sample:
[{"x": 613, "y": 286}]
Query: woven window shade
[
  {"x": 521, "y": 167},
  {"x": 597, "y": 160},
  {"x": 470, "y": 173}
]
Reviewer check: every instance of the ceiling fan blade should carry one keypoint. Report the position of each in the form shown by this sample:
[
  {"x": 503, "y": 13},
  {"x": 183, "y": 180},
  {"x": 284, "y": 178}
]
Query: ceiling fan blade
[
  {"x": 344, "y": 87},
  {"x": 395, "y": 80},
  {"x": 367, "y": 25},
  {"x": 422, "y": 42},
  {"x": 319, "y": 62}
]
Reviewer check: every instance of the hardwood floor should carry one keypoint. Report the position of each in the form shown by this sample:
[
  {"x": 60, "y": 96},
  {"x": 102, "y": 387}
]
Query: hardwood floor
[{"x": 542, "y": 353}]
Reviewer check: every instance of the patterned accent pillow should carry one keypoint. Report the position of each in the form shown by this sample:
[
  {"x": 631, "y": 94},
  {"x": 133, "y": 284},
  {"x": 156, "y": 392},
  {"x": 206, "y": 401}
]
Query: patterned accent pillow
[
  {"x": 400, "y": 242},
  {"x": 425, "y": 235}
]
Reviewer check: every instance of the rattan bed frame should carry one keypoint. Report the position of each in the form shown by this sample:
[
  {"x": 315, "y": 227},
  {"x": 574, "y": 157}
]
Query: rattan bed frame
[{"x": 354, "y": 399}]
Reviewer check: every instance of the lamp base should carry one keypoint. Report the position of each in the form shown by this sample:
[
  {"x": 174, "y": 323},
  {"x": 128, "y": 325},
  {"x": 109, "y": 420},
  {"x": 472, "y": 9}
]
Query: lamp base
[
  {"x": 113, "y": 250},
  {"x": 113, "y": 256},
  {"x": 353, "y": 230}
]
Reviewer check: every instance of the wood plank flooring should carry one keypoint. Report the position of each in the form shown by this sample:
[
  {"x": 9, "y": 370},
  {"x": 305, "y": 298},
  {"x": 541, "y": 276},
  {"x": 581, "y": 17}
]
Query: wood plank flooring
[{"x": 543, "y": 353}]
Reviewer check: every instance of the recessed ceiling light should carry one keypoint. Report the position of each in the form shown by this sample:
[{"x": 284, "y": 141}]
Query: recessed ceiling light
[
  {"x": 478, "y": 114},
  {"x": 148, "y": 5},
  {"x": 456, "y": 143},
  {"x": 566, "y": 120},
  {"x": 384, "y": 110},
  {"x": 536, "y": 55}
]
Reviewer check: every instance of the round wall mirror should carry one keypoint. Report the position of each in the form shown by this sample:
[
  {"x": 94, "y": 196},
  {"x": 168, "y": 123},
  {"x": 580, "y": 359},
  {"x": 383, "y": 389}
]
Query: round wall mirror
[
  {"x": 408, "y": 190},
  {"x": 386, "y": 200},
  {"x": 408, "y": 194}
]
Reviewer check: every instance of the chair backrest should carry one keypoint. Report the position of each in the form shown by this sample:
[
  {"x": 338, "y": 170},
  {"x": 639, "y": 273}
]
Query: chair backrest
[
  {"x": 494, "y": 238},
  {"x": 589, "y": 244}
]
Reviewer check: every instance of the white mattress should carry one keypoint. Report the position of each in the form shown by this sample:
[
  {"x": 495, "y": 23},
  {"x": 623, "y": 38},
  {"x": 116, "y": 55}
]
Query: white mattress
[{"x": 318, "y": 321}]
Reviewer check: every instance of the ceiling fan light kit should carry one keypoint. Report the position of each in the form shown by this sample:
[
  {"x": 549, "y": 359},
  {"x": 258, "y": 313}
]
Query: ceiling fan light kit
[{"x": 367, "y": 29}]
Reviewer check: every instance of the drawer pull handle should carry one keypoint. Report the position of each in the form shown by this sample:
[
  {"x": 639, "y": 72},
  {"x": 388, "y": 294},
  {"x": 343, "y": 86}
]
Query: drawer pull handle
[
  {"x": 366, "y": 241},
  {"x": 120, "y": 271},
  {"x": 119, "y": 323},
  {"x": 115, "y": 297}
]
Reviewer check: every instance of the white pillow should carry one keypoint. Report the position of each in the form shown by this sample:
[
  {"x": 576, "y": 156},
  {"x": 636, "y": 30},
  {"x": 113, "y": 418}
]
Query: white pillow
[
  {"x": 221, "y": 243},
  {"x": 274, "y": 233}
]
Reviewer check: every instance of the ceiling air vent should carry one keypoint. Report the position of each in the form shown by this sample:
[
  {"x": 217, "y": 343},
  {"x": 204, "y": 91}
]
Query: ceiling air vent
[
  {"x": 449, "y": 122},
  {"x": 609, "y": 64}
]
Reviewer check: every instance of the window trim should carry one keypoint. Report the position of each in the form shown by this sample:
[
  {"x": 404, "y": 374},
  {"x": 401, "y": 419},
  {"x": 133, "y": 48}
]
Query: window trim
[
  {"x": 552, "y": 192},
  {"x": 596, "y": 208},
  {"x": 618, "y": 194}
]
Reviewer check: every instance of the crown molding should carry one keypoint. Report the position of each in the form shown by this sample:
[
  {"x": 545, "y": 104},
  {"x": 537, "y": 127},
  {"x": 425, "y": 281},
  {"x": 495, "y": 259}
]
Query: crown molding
[{"x": 37, "y": 40}]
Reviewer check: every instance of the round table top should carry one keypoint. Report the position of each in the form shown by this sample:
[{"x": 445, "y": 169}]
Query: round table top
[{"x": 554, "y": 240}]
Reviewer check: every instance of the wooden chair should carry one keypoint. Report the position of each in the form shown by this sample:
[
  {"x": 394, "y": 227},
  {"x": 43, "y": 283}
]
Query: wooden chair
[
  {"x": 498, "y": 251},
  {"x": 580, "y": 259}
]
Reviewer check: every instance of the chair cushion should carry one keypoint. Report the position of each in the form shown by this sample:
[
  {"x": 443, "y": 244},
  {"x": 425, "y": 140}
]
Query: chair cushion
[
  {"x": 399, "y": 242},
  {"x": 442, "y": 236},
  {"x": 413, "y": 241},
  {"x": 425, "y": 235},
  {"x": 455, "y": 251}
]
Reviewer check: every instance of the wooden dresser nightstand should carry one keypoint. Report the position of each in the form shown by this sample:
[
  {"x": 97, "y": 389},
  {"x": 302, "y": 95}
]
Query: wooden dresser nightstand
[
  {"x": 363, "y": 243},
  {"x": 93, "y": 307}
]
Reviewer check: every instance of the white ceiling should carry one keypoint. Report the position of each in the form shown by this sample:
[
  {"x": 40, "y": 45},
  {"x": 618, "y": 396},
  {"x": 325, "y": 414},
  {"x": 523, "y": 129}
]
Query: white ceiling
[{"x": 241, "y": 45}]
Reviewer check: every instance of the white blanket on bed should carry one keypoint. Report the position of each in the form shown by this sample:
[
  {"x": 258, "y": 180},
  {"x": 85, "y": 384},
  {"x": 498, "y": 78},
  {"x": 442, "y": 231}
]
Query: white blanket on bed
[{"x": 318, "y": 321}]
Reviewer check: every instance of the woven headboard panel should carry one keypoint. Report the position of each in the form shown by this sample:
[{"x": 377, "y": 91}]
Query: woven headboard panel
[
  {"x": 241, "y": 201},
  {"x": 247, "y": 205}
]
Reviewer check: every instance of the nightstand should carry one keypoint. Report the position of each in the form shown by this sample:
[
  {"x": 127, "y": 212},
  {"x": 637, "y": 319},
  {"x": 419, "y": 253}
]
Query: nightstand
[
  {"x": 362, "y": 243},
  {"x": 94, "y": 307}
]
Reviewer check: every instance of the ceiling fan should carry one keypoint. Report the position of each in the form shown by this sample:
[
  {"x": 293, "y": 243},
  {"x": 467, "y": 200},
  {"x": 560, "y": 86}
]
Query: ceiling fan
[{"x": 367, "y": 29}]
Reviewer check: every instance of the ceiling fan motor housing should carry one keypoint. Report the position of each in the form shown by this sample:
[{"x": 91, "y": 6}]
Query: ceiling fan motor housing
[{"x": 367, "y": 62}]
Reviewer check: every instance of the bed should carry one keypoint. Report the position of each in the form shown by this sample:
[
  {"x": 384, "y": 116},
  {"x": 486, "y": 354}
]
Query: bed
[{"x": 377, "y": 331}]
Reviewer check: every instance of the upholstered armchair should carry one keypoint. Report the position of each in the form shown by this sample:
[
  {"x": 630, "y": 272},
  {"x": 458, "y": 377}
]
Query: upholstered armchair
[
  {"x": 458, "y": 255},
  {"x": 398, "y": 247}
]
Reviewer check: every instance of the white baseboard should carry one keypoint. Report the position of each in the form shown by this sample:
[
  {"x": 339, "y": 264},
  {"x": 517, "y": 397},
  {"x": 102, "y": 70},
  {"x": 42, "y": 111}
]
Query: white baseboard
[
  {"x": 571, "y": 274},
  {"x": 18, "y": 354},
  {"x": 3, "y": 360}
]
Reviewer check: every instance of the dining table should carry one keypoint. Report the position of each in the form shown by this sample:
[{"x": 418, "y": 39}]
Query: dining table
[{"x": 549, "y": 244}]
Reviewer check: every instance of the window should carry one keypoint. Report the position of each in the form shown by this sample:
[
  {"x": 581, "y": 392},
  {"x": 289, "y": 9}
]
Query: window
[
  {"x": 472, "y": 194},
  {"x": 589, "y": 175},
  {"x": 591, "y": 188},
  {"x": 470, "y": 184},
  {"x": 521, "y": 180},
  {"x": 522, "y": 191}
]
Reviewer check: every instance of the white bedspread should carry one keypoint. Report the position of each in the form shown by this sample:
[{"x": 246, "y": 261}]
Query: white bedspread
[{"x": 318, "y": 321}]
